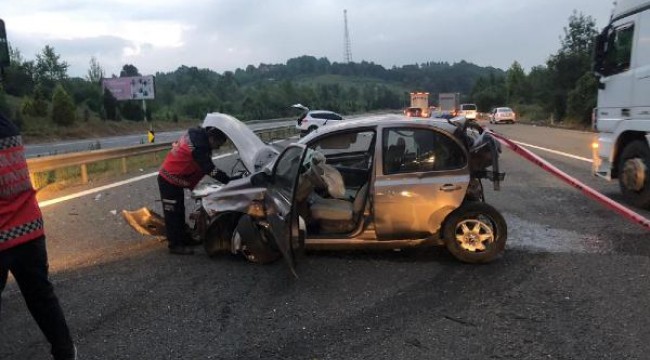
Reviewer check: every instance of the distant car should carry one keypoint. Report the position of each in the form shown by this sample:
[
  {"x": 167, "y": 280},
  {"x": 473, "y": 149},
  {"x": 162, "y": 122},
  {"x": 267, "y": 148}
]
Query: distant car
[
  {"x": 413, "y": 112},
  {"x": 311, "y": 120},
  {"x": 502, "y": 115},
  {"x": 469, "y": 111}
]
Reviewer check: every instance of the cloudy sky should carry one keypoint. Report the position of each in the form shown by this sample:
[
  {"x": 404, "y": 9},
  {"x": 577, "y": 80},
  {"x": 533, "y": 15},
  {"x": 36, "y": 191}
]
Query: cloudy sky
[{"x": 160, "y": 35}]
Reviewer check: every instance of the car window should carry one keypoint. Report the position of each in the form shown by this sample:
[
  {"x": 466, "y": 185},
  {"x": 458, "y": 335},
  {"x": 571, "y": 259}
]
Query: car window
[
  {"x": 286, "y": 170},
  {"x": 468, "y": 107},
  {"x": 505, "y": 110},
  {"x": 342, "y": 143},
  {"x": 420, "y": 150},
  {"x": 318, "y": 116},
  {"x": 335, "y": 117}
]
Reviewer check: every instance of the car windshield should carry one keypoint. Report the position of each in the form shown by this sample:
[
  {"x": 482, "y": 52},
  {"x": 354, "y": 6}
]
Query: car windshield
[
  {"x": 468, "y": 107},
  {"x": 504, "y": 110}
]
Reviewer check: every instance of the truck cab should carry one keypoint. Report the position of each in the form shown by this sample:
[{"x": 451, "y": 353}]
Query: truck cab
[{"x": 622, "y": 117}]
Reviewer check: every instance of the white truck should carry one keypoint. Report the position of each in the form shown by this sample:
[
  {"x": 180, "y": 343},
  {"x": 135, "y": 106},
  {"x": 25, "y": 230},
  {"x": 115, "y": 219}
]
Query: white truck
[
  {"x": 622, "y": 116},
  {"x": 419, "y": 105},
  {"x": 449, "y": 103}
]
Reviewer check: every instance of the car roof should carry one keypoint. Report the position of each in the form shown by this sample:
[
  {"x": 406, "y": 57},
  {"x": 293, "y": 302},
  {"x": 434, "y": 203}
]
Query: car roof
[
  {"x": 388, "y": 120},
  {"x": 322, "y": 112}
]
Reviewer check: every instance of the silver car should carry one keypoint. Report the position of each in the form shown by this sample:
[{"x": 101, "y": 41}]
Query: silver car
[{"x": 388, "y": 182}]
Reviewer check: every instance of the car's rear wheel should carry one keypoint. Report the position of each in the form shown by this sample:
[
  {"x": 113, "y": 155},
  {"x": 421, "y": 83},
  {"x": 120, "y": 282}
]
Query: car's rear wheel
[
  {"x": 475, "y": 233},
  {"x": 312, "y": 128}
]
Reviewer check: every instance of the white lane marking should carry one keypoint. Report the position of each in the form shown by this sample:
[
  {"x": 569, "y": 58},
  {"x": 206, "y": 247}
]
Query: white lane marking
[
  {"x": 47, "y": 203},
  {"x": 554, "y": 152}
]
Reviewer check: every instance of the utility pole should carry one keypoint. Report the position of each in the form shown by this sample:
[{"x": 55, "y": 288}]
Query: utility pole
[{"x": 347, "y": 47}]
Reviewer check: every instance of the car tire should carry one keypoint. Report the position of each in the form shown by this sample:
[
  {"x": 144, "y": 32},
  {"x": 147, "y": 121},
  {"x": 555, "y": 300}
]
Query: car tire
[
  {"x": 635, "y": 155},
  {"x": 311, "y": 129},
  {"x": 219, "y": 234},
  {"x": 466, "y": 226}
]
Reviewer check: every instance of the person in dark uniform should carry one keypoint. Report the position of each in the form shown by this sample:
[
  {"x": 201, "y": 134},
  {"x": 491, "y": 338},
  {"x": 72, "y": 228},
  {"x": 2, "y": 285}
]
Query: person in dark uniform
[
  {"x": 185, "y": 165},
  {"x": 22, "y": 244}
]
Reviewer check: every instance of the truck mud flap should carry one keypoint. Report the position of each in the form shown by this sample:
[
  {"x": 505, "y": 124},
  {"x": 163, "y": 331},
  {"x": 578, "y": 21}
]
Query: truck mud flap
[{"x": 145, "y": 221}]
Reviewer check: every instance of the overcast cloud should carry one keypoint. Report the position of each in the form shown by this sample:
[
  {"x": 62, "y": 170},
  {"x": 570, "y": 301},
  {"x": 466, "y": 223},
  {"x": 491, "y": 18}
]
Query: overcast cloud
[{"x": 161, "y": 35}]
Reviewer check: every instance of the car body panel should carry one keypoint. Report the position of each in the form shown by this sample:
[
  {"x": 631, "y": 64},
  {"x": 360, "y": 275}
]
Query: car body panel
[
  {"x": 253, "y": 152},
  {"x": 405, "y": 202}
]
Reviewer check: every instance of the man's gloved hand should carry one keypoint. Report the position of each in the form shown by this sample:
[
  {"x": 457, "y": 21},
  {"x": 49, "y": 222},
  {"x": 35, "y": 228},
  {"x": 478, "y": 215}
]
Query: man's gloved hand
[{"x": 220, "y": 176}]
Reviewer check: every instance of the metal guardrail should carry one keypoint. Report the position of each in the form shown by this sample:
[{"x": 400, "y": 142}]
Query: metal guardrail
[{"x": 82, "y": 159}]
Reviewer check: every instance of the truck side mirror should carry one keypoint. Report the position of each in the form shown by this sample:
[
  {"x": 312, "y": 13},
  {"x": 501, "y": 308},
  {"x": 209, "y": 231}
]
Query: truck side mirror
[{"x": 599, "y": 53}]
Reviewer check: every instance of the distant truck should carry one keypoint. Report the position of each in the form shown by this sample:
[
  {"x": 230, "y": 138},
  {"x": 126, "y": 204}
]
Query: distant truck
[
  {"x": 419, "y": 105},
  {"x": 449, "y": 103},
  {"x": 621, "y": 149}
]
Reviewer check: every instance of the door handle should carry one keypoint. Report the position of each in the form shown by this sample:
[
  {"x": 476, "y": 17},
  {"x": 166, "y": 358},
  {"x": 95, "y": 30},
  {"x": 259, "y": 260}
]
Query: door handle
[
  {"x": 625, "y": 112},
  {"x": 450, "y": 187}
]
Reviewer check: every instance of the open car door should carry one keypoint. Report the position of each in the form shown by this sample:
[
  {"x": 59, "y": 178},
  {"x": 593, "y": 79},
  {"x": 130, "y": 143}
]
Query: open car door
[{"x": 281, "y": 213}]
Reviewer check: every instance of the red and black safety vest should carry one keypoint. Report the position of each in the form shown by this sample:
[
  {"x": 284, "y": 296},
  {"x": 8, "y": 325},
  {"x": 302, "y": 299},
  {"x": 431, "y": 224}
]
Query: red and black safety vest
[{"x": 20, "y": 215}]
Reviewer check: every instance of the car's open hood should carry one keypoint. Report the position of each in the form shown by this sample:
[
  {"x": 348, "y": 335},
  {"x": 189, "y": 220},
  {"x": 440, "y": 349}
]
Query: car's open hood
[{"x": 253, "y": 152}]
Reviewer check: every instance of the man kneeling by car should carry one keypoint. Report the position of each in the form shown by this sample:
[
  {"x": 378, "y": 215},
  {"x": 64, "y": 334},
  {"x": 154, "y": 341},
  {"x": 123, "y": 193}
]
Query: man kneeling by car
[{"x": 189, "y": 160}]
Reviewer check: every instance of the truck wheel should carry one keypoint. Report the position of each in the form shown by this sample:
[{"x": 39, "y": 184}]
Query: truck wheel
[
  {"x": 475, "y": 233},
  {"x": 634, "y": 174},
  {"x": 218, "y": 236}
]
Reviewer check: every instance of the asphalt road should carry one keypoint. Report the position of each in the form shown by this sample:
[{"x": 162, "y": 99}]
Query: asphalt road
[{"x": 573, "y": 284}]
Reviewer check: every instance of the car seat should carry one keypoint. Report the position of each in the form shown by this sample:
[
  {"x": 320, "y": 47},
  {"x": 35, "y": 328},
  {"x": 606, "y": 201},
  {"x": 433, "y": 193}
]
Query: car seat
[{"x": 394, "y": 157}]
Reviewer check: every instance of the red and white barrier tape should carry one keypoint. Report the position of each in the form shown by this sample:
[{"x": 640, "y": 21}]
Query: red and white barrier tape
[{"x": 528, "y": 155}]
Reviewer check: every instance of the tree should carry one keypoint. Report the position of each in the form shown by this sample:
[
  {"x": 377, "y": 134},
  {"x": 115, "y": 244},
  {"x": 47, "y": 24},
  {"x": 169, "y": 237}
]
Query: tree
[
  {"x": 95, "y": 71},
  {"x": 572, "y": 61},
  {"x": 515, "y": 84},
  {"x": 129, "y": 70},
  {"x": 63, "y": 108},
  {"x": 36, "y": 105},
  {"x": 110, "y": 106},
  {"x": 4, "y": 107},
  {"x": 49, "y": 68},
  {"x": 582, "y": 99}
]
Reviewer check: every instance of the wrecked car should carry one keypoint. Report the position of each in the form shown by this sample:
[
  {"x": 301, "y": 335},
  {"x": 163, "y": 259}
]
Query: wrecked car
[{"x": 388, "y": 182}]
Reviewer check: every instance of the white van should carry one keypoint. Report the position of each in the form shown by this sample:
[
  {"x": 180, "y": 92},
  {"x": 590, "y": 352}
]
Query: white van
[{"x": 468, "y": 111}]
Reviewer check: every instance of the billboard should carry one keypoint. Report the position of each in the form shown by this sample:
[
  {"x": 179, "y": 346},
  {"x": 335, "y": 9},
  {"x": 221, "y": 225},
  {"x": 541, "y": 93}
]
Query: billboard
[{"x": 131, "y": 88}]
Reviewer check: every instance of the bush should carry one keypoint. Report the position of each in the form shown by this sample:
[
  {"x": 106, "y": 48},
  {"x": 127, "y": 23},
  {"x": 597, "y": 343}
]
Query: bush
[
  {"x": 63, "y": 108},
  {"x": 4, "y": 107}
]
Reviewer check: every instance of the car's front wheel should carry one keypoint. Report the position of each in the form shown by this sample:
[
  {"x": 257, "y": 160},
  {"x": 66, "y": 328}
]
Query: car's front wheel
[
  {"x": 219, "y": 234},
  {"x": 475, "y": 233}
]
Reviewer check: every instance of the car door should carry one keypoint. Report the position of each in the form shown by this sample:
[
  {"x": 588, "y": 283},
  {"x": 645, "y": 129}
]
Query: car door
[
  {"x": 421, "y": 176},
  {"x": 280, "y": 214}
]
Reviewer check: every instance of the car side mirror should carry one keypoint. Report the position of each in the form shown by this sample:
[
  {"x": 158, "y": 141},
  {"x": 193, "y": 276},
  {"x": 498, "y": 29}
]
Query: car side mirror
[
  {"x": 601, "y": 85},
  {"x": 261, "y": 178}
]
